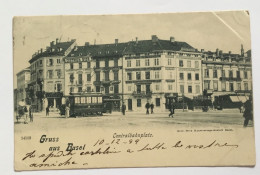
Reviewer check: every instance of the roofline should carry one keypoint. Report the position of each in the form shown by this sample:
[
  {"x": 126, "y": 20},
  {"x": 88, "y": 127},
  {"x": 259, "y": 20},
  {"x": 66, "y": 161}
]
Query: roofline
[{"x": 24, "y": 70}]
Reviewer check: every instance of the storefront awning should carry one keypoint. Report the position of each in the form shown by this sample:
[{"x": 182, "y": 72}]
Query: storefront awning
[
  {"x": 234, "y": 99},
  {"x": 242, "y": 99}
]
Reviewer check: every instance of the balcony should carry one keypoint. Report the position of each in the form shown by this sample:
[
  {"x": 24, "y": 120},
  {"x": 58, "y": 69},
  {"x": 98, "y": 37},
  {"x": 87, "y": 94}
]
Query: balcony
[
  {"x": 106, "y": 82},
  {"x": 144, "y": 94},
  {"x": 230, "y": 79}
]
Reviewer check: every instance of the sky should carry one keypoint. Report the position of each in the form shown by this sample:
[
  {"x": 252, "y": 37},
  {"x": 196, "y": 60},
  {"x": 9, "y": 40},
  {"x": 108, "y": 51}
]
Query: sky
[{"x": 206, "y": 30}]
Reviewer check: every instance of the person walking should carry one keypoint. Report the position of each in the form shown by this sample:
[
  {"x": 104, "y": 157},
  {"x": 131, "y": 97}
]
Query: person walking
[
  {"x": 248, "y": 113},
  {"x": 172, "y": 108},
  {"x": 67, "y": 111},
  {"x": 47, "y": 111},
  {"x": 30, "y": 114},
  {"x": 152, "y": 106},
  {"x": 147, "y": 106},
  {"x": 123, "y": 108}
]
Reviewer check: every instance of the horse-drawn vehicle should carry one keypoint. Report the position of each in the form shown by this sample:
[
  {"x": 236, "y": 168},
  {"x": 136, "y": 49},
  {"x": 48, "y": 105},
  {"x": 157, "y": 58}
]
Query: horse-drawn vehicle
[
  {"x": 84, "y": 104},
  {"x": 22, "y": 113}
]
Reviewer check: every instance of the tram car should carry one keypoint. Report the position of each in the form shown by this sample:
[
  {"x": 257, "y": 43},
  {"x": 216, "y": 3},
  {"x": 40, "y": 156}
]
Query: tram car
[{"x": 84, "y": 105}]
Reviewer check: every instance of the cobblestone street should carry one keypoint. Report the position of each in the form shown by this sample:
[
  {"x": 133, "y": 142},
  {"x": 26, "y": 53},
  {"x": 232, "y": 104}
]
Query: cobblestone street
[{"x": 219, "y": 119}]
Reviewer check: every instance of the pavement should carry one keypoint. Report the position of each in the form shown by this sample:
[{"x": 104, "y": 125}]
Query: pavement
[{"x": 224, "y": 118}]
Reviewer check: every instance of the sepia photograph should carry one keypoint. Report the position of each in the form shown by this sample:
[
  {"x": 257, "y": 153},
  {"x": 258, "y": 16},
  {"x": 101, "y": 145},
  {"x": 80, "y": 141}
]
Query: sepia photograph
[{"x": 89, "y": 89}]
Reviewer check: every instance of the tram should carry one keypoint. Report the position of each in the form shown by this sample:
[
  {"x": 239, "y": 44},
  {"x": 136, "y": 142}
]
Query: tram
[{"x": 84, "y": 104}]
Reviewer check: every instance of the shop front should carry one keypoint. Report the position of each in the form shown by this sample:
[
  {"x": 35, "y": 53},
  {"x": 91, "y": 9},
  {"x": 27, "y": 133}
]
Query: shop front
[{"x": 54, "y": 99}]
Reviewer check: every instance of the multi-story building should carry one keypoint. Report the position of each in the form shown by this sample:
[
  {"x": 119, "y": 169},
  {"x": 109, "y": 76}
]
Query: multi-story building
[
  {"x": 47, "y": 74},
  {"x": 227, "y": 74},
  {"x": 23, "y": 79},
  {"x": 135, "y": 72},
  {"x": 159, "y": 70},
  {"x": 97, "y": 69}
]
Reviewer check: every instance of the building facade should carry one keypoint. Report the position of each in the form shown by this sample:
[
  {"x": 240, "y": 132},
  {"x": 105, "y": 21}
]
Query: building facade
[
  {"x": 227, "y": 74},
  {"x": 23, "y": 79},
  {"x": 159, "y": 71},
  {"x": 136, "y": 72},
  {"x": 96, "y": 69},
  {"x": 47, "y": 74}
]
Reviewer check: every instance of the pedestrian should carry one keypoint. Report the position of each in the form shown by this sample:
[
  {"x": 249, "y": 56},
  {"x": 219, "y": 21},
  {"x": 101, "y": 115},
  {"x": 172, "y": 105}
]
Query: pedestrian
[
  {"x": 248, "y": 113},
  {"x": 47, "y": 111},
  {"x": 171, "y": 109},
  {"x": 30, "y": 114},
  {"x": 123, "y": 108},
  {"x": 67, "y": 111},
  {"x": 147, "y": 106},
  {"x": 26, "y": 114},
  {"x": 152, "y": 106}
]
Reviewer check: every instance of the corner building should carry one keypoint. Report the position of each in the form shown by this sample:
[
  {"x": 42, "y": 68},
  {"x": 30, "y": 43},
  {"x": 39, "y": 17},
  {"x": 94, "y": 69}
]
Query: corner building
[
  {"x": 158, "y": 71},
  {"x": 47, "y": 75}
]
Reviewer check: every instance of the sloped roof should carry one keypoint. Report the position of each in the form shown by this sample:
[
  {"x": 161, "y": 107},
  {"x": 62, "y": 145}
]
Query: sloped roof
[
  {"x": 99, "y": 50},
  {"x": 151, "y": 46},
  {"x": 57, "y": 49},
  {"x": 142, "y": 46}
]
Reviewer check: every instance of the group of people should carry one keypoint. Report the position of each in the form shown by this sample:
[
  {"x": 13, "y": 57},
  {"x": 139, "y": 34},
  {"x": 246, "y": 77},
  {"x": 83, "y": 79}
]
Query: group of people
[{"x": 148, "y": 106}]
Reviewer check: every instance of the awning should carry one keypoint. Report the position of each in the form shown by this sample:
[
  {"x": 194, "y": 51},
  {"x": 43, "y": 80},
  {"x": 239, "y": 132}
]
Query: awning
[
  {"x": 242, "y": 99},
  {"x": 234, "y": 99}
]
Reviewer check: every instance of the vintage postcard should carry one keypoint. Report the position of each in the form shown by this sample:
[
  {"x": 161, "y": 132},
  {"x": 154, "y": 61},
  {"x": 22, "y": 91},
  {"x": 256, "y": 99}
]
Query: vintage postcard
[{"x": 143, "y": 90}]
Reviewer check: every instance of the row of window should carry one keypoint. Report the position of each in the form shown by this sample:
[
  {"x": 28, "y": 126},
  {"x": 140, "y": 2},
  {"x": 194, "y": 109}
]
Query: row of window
[
  {"x": 79, "y": 65},
  {"x": 50, "y": 74},
  {"x": 139, "y": 77},
  {"x": 223, "y": 73},
  {"x": 147, "y": 62},
  {"x": 189, "y": 77},
  {"x": 49, "y": 62},
  {"x": 190, "y": 90},
  {"x": 106, "y": 77},
  {"x": 207, "y": 85},
  {"x": 157, "y": 88},
  {"x": 72, "y": 65},
  {"x": 88, "y": 100},
  {"x": 188, "y": 64},
  {"x": 106, "y": 89}
]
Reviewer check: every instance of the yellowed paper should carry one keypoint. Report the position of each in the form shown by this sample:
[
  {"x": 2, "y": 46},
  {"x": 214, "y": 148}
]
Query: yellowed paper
[{"x": 147, "y": 90}]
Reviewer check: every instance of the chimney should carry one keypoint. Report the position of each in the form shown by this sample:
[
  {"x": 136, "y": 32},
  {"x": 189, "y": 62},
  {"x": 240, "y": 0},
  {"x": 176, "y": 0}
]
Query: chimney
[
  {"x": 229, "y": 52},
  {"x": 242, "y": 50},
  {"x": 136, "y": 40},
  {"x": 41, "y": 50},
  {"x": 86, "y": 43},
  {"x": 220, "y": 52},
  {"x": 57, "y": 40},
  {"x": 116, "y": 41},
  {"x": 202, "y": 50},
  {"x": 154, "y": 38},
  {"x": 217, "y": 52},
  {"x": 172, "y": 39}
]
